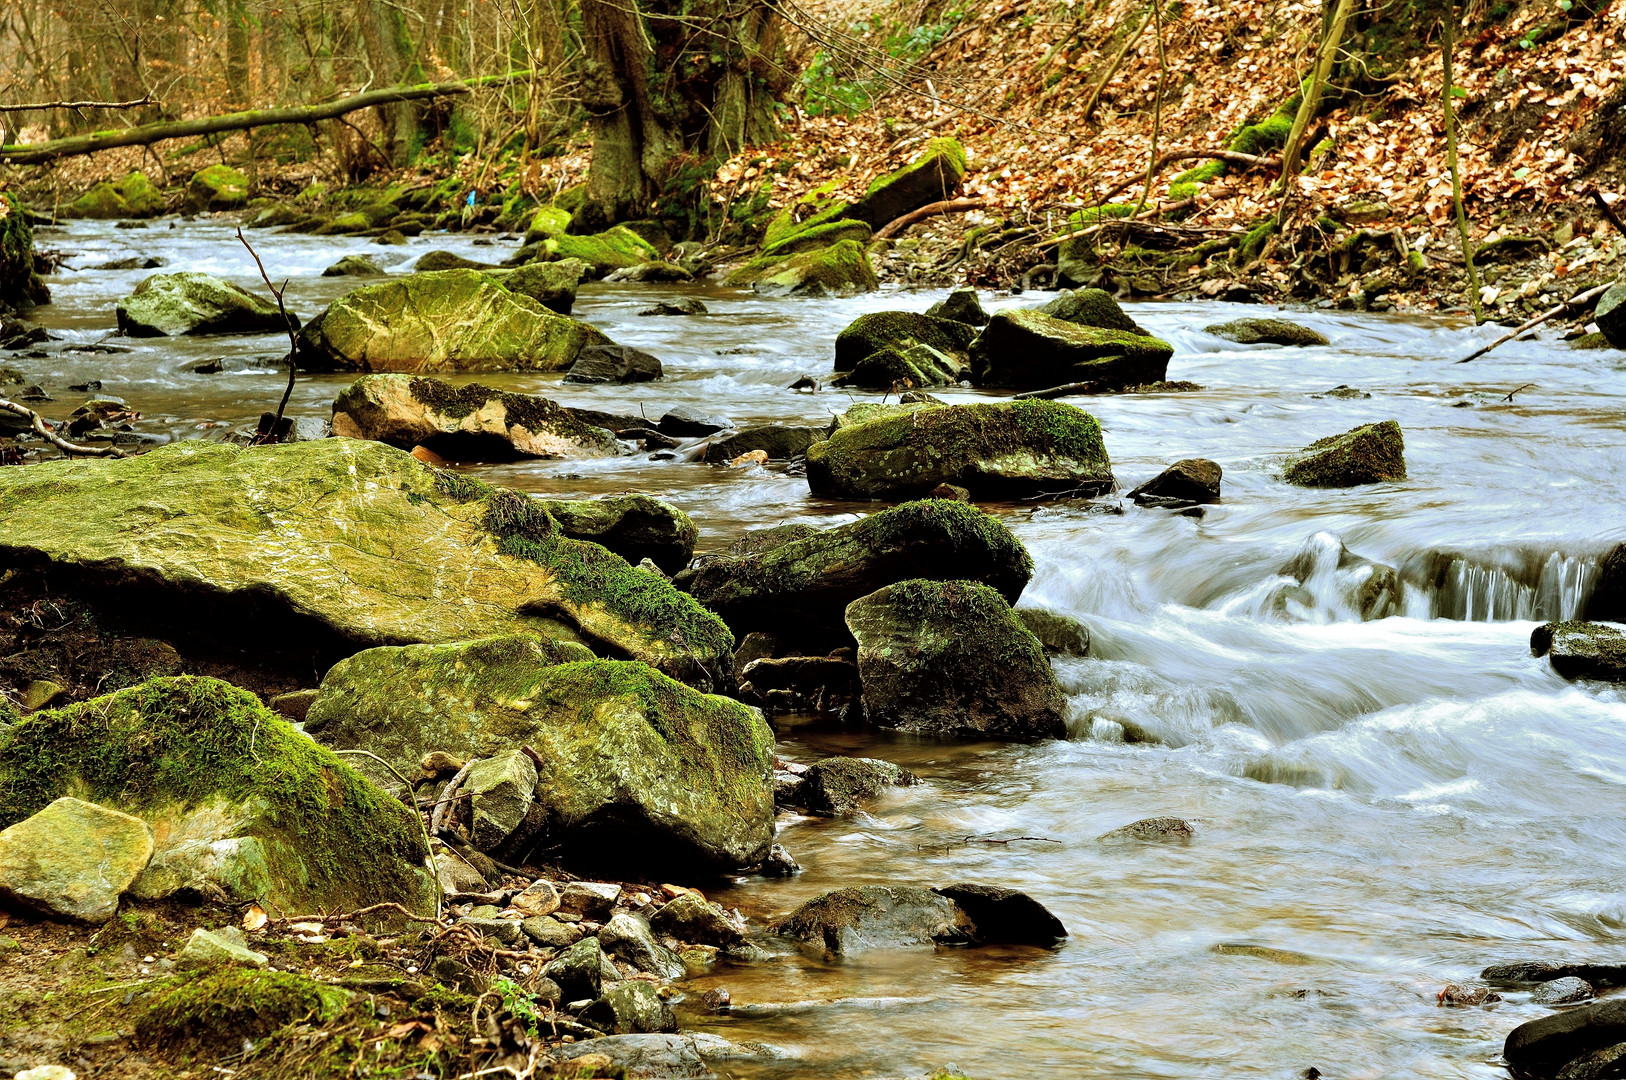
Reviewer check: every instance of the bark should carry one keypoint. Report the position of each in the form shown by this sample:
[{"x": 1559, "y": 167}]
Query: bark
[
  {"x": 1447, "y": 49},
  {"x": 393, "y": 58},
  {"x": 237, "y": 53},
  {"x": 148, "y": 134},
  {"x": 1312, "y": 97}
]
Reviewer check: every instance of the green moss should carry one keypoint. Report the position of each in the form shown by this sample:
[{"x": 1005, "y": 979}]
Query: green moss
[
  {"x": 178, "y": 743},
  {"x": 228, "y": 1004},
  {"x": 1185, "y": 190},
  {"x": 1092, "y": 215},
  {"x": 217, "y": 187},
  {"x": 1363, "y": 455},
  {"x": 613, "y": 249},
  {"x": 878, "y": 330},
  {"x": 812, "y": 237},
  {"x": 20, "y": 286},
  {"x": 984, "y": 624},
  {"x": 941, "y": 153},
  {"x": 1253, "y": 243},
  {"x": 839, "y": 269},
  {"x": 817, "y": 207},
  {"x": 547, "y": 221},
  {"x": 1202, "y": 174},
  {"x": 101, "y": 201},
  {"x": 461, "y": 486},
  {"x": 1269, "y": 134}
]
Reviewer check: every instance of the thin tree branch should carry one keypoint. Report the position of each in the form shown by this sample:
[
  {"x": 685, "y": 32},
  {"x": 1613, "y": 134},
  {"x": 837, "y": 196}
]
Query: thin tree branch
[
  {"x": 1574, "y": 301},
  {"x": 946, "y": 206},
  {"x": 273, "y": 434},
  {"x": 42, "y": 429},
  {"x": 34, "y": 105}
]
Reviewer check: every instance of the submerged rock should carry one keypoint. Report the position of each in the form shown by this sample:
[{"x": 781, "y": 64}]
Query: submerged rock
[
  {"x": 1565, "y": 991},
  {"x": 952, "y": 658},
  {"x": 1582, "y": 650},
  {"x": 1267, "y": 332},
  {"x": 1369, "y": 454},
  {"x": 614, "y": 364},
  {"x": 1059, "y": 634},
  {"x": 635, "y": 527},
  {"x": 687, "y": 305},
  {"x": 464, "y": 423},
  {"x": 1090, "y": 307},
  {"x": 866, "y": 917},
  {"x": 1325, "y": 570},
  {"x": 185, "y": 303},
  {"x": 1171, "y": 829},
  {"x": 72, "y": 859},
  {"x": 805, "y": 586},
  {"x": 328, "y": 547},
  {"x": 633, "y": 768},
  {"x": 836, "y": 787},
  {"x": 1029, "y": 350},
  {"x": 1525, "y": 972},
  {"x": 448, "y": 321},
  {"x": 1002, "y": 916},
  {"x": 239, "y": 801},
  {"x": 666, "y": 1056},
  {"x": 994, "y": 451},
  {"x": 779, "y": 441},
  {"x": 1191, "y": 482}
]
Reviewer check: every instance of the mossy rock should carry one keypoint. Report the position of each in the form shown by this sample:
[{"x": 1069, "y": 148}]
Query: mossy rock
[
  {"x": 634, "y": 769},
  {"x": 614, "y": 249},
  {"x": 1582, "y": 650},
  {"x": 101, "y": 201},
  {"x": 191, "y": 303},
  {"x": 915, "y": 366},
  {"x": 447, "y": 321},
  {"x": 238, "y": 799},
  {"x": 862, "y": 412},
  {"x": 952, "y": 658},
  {"x": 1369, "y": 454},
  {"x": 334, "y": 545},
  {"x": 1090, "y": 307},
  {"x": 935, "y": 174},
  {"x": 1593, "y": 341},
  {"x": 548, "y": 221},
  {"x": 551, "y": 284},
  {"x": 466, "y": 422},
  {"x": 141, "y": 196},
  {"x": 841, "y": 269},
  {"x": 344, "y": 225},
  {"x": 962, "y": 305},
  {"x": 355, "y": 266},
  {"x": 438, "y": 260},
  {"x": 992, "y": 450},
  {"x": 813, "y": 237},
  {"x": 635, "y": 527},
  {"x": 20, "y": 286},
  {"x": 898, "y": 330},
  {"x": 805, "y": 585},
  {"x": 1267, "y": 332},
  {"x": 222, "y": 1008},
  {"x": 216, "y": 187},
  {"x": 1029, "y": 350}
]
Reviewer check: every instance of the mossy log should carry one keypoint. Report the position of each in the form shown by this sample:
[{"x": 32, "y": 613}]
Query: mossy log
[{"x": 147, "y": 134}]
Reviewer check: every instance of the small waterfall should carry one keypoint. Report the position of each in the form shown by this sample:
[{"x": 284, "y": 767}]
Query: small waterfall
[
  {"x": 1324, "y": 583},
  {"x": 1474, "y": 591}
]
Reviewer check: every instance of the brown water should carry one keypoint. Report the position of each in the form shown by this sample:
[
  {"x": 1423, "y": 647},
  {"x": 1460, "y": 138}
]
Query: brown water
[{"x": 1384, "y": 807}]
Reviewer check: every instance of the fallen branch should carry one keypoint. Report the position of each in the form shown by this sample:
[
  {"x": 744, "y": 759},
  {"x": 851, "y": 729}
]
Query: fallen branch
[
  {"x": 147, "y": 134},
  {"x": 34, "y": 105},
  {"x": 947, "y": 206},
  {"x": 1232, "y": 157},
  {"x": 341, "y": 916},
  {"x": 1574, "y": 301},
  {"x": 446, "y": 797},
  {"x": 1064, "y": 390},
  {"x": 43, "y": 430},
  {"x": 274, "y": 432},
  {"x": 1516, "y": 389}
]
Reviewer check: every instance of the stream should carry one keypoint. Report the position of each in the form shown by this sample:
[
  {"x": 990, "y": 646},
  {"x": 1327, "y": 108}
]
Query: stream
[{"x": 1380, "y": 807}]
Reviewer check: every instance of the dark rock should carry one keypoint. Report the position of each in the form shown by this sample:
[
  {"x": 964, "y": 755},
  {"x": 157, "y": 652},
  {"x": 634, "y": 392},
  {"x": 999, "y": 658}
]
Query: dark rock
[
  {"x": 1369, "y": 454},
  {"x": 1566, "y": 991},
  {"x": 635, "y": 527},
  {"x": 917, "y": 365},
  {"x": 1193, "y": 480},
  {"x": 133, "y": 262},
  {"x": 952, "y": 658},
  {"x": 1582, "y": 650},
  {"x": 629, "y": 937},
  {"x": 1267, "y": 332},
  {"x": 1002, "y": 916},
  {"x": 687, "y": 305},
  {"x": 779, "y": 863},
  {"x": 1029, "y": 350},
  {"x": 961, "y": 305},
  {"x": 355, "y": 266},
  {"x": 1610, "y": 314},
  {"x": 1608, "y": 600},
  {"x": 685, "y": 423},
  {"x": 1158, "y": 829},
  {"x": 778, "y": 441},
  {"x": 650, "y": 273},
  {"x": 1542, "y": 1048},
  {"x": 877, "y": 917},
  {"x": 689, "y": 1056},
  {"x": 805, "y": 586},
  {"x": 935, "y": 174},
  {"x": 630, "y": 1007},
  {"x": 898, "y": 330},
  {"x": 952, "y": 492},
  {"x": 822, "y": 683},
  {"x": 1371, "y": 588},
  {"x": 578, "y": 970},
  {"x": 1059, "y": 634},
  {"x": 613, "y": 364},
  {"x": 1525, "y": 972},
  {"x": 1453, "y": 996},
  {"x": 837, "y": 787},
  {"x": 762, "y": 541},
  {"x": 1090, "y": 307},
  {"x": 690, "y": 917},
  {"x": 446, "y": 260}
]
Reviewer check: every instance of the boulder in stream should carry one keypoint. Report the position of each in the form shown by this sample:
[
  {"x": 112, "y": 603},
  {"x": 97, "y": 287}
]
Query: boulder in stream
[
  {"x": 327, "y": 547},
  {"x": 1608, "y": 600},
  {"x": 1090, "y": 307},
  {"x": 840, "y": 786},
  {"x": 917, "y": 365},
  {"x": 866, "y": 917},
  {"x": 804, "y": 586},
  {"x": 614, "y": 364},
  {"x": 1582, "y": 650},
  {"x": 952, "y": 658},
  {"x": 466, "y": 422},
  {"x": 551, "y": 284},
  {"x": 1185, "y": 483},
  {"x": 1369, "y": 454},
  {"x": 635, "y": 527},
  {"x": 779, "y": 441},
  {"x": 447, "y": 321},
  {"x": 633, "y": 768},
  {"x": 898, "y": 330},
  {"x": 134, "y": 196},
  {"x": 1588, "y": 1043},
  {"x": 841, "y": 269},
  {"x": 1267, "y": 332},
  {"x": 962, "y": 305},
  {"x": 1610, "y": 314},
  {"x": 186, "y": 303},
  {"x": 216, "y": 187},
  {"x": 355, "y": 266},
  {"x": 1029, "y": 350},
  {"x": 994, "y": 451},
  {"x": 239, "y": 801},
  {"x": 617, "y": 248}
]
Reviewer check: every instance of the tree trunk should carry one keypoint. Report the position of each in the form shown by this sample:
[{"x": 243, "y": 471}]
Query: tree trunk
[
  {"x": 237, "y": 53},
  {"x": 393, "y": 59}
]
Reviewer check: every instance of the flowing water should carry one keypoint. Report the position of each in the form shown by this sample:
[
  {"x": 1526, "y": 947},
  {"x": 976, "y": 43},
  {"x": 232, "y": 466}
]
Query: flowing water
[{"x": 1381, "y": 807}]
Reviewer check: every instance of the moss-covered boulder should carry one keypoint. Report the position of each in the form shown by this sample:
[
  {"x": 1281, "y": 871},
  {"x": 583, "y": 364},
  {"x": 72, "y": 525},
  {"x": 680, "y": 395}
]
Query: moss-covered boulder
[
  {"x": 633, "y": 768},
  {"x": 914, "y": 366},
  {"x": 1267, "y": 332},
  {"x": 805, "y": 586},
  {"x": 216, "y": 187},
  {"x": 1090, "y": 307},
  {"x": 20, "y": 285},
  {"x": 1029, "y": 350},
  {"x": 614, "y": 249},
  {"x": 141, "y": 196},
  {"x": 551, "y": 284},
  {"x": 447, "y": 321},
  {"x": 355, "y": 266},
  {"x": 135, "y": 196},
  {"x": 188, "y": 302},
  {"x": 952, "y": 658},
  {"x": 238, "y": 800},
  {"x": 841, "y": 269},
  {"x": 1369, "y": 454},
  {"x": 469, "y": 422},
  {"x": 994, "y": 451},
  {"x": 811, "y": 237},
  {"x": 962, "y": 305},
  {"x": 841, "y": 786},
  {"x": 635, "y": 527},
  {"x": 1582, "y": 650},
  {"x": 898, "y": 330},
  {"x": 547, "y": 222},
  {"x": 327, "y": 547},
  {"x": 935, "y": 174}
]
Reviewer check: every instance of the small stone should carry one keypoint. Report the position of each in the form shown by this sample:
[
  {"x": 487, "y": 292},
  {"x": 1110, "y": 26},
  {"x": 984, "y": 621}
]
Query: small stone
[
  {"x": 73, "y": 859},
  {"x": 779, "y": 863},
  {"x": 1194, "y": 480},
  {"x": 40, "y": 693},
  {"x": 949, "y": 491},
  {"x": 590, "y": 899},
  {"x": 629, "y": 937},
  {"x": 501, "y": 788},
  {"x": 692, "y": 918},
  {"x": 537, "y": 898},
  {"x": 549, "y": 932},
  {"x": 210, "y": 949},
  {"x": 1157, "y": 828},
  {"x": 1566, "y": 991},
  {"x": 579, "y": 970},
  {"x": 1453, "y": 995},
  {"x": 688, "y": 305}
]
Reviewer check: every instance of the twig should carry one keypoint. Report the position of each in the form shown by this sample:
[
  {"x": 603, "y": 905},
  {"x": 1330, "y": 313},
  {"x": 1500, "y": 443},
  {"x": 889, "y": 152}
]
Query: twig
[
  {"x": 273, "y": 434},
  {"x": 1577, "y": 299},
  {"x": 44, "y": 431},
  {"x": 340, "y": 916},
  {"x": 33, "y": 105},
  {"x": 1516, "y": 389},
  {"x": 946, "y": 206},
  {"x": 446, "y": 797},
  {"x": 1064, "y": 390},
  {"x": 1608, "y": 211}
]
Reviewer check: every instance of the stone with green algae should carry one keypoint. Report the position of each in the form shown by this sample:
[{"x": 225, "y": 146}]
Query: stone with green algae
[
  {"x": 1369, "y": 454},
  {"x": 1030, "y": 350},
  {"x": 840, "y": 269},
  {"x": 190, "y": 303},
  {"x": 73, "y": 859},
  {"x": 216, "y": 187}
]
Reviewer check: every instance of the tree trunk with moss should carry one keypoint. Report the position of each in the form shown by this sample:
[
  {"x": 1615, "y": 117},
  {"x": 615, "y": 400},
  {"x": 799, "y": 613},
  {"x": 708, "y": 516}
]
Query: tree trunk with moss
[
  {"x": 673, "y": 90},
  {"x": 393, "y": 57}
]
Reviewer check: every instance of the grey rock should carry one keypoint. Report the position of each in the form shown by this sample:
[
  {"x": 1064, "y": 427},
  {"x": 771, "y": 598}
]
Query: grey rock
[
  {"x": 836, "y": 787},
  {"x": 685, "y": 423},
  {"x": 629, "y": 937},
  {"x": 589, "y": 899},
  {"x": 1090, "y": 307},
  {"x": 1525, "y": 972},
  {"x": 1060, "y": 634},
  {"x": 1157, "y": 828},
  {"x": 507, "y": 931},
  {"x": 1267, "y": 332},
  {"x": 688, "y": 1056},
  {"x": 778, "y": 441},
  {"x": 877, "y": 917},
  {"x": 688, "y": 305},
  {"x": 779, "y": 863},
  {"x": 631, "y": 1007},
  {"x": 549, "y": 932},
  {"x": 1192, "y": 481},
  {"x": 614, "y": 364},
  {"x": 500, "y": 790},
  {"x": 169, "y": 305},
  {"x": 579, "y": 970},
  {"x": 207, "y": 949},
  {"x": 1565, "y": 991},
  {"x": 692, "y": 918}
]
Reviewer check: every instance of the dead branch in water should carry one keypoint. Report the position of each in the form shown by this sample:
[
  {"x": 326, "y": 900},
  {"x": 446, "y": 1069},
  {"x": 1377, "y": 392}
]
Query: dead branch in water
[
  {"x": 43, "y": 430},
  {"x": 273, "y": 433}
]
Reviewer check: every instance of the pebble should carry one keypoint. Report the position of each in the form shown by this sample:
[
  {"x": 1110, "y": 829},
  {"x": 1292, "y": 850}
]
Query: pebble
[{"x": 1565, "y": 991}]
